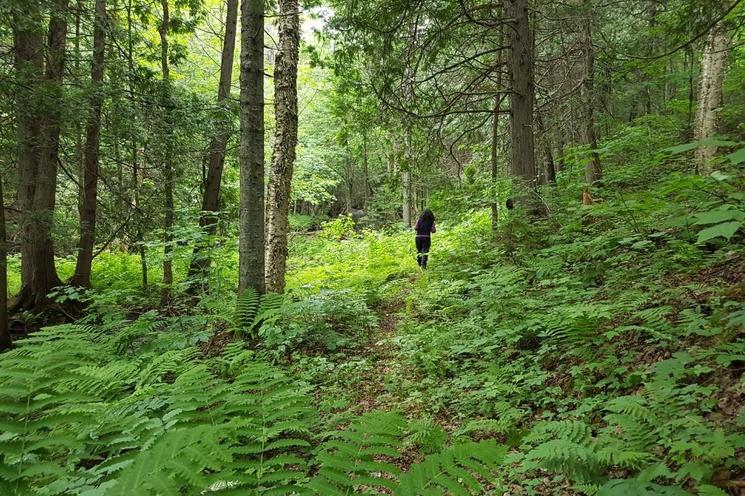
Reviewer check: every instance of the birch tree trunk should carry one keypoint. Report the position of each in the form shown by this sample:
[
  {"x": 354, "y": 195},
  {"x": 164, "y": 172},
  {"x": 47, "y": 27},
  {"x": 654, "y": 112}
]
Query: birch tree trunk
[
  {"x": 168, "y": 176},
  {"x": 522, "y": 94},
  {"x": 252, "y": 239},
  {"x": 215, "y": 156},
  {"x": 710, "y": 93},
  {"x": 82, "y": 275},
  {"x": 285, "y": 142}
]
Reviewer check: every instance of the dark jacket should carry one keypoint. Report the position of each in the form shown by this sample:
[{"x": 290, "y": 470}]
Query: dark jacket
[{"x": 424, "y": 228}]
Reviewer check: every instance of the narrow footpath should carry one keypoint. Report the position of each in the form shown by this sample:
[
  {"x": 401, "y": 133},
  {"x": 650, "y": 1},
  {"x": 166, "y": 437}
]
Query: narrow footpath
[{"x": 385, "y": 359}]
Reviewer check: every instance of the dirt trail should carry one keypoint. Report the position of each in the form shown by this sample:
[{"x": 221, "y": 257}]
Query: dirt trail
[{"x": 384, "y": 358}]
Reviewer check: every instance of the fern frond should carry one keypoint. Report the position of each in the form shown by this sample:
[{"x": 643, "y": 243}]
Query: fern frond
[
  {"x": 253, "y": 309},
  {"x": 461, "y": 470},
  {"x": 561, "y": 455},
  {"x": 571, "y": 430},
  {"x": 179, "y": 459},
  {"x": 352, "y": 459},
  {"x": 246, "y": 309}
]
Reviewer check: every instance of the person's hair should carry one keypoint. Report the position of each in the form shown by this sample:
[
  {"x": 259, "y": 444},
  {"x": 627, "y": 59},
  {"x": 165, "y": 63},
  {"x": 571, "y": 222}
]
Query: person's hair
[{"x": 427, "y": 216}]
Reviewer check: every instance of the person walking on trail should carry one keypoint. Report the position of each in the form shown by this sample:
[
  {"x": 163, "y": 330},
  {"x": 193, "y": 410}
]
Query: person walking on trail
[{"x": 424, "y": 228}]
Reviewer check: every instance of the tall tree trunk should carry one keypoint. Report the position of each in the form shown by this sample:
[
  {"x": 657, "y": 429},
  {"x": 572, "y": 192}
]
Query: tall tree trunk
[
  {"x": 215, "y": 156},
  {"x": 408, "y": 167},
  {"x": 43, "y": 272},
  {"x": 710, "y": 93},
  {"x": 522, "y": 94},
  {"x": 5, "y": 341},
  {"x": 593, "y": 171},
  {"x": 493, "y": 162},
  {"x": 79, "y": 153},
  {"x": 285, "y": 141},
  {"x": 28, "y": 47},
  {"x": 560, "y": 144},
  {"x": 168, "y": 177},
  {"x": 251, "y": 243},
  {"x": 495, "y": 145},
  {"x": 691, "y": 59},
  {"x": 493, "y": 158},
  {"x": 366, "y": 170},
  {"x": 406, "y": 197},
  {"x": 548, "y": 172},
  {"x": 139, "y": 236},
  {"x": 348, "y": 179},
  {"x": 82, "y": 275}
]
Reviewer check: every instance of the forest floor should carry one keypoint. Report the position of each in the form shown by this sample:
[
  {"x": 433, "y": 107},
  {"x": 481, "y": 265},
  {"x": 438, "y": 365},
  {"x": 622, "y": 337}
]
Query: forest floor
[
  {"x": 382, "y": 353},
  {"x": 605, "y": 358}
]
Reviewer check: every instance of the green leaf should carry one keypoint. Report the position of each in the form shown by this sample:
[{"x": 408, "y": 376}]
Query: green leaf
[
  {"x": 719, "y": 176},
  {"x": 725, "y": 230},
  {"x": 722, "y": 214},
  {"x": 640, "y": 245},
  {"x": 655, "y": 471},
  {"x": 737, "y": 157},
  {"x": 627, "y": 487},
  {"x": 676, "y": 150},
  {"x": 709, "y": 490}
]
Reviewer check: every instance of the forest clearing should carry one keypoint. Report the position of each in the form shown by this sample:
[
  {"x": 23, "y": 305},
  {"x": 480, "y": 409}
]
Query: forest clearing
[{"x": 398, "y": 247}]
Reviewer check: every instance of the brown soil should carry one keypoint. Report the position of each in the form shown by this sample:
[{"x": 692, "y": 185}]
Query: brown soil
[
  {"x": 382, "y": 354},
  {"x": 217, "y": 343}
]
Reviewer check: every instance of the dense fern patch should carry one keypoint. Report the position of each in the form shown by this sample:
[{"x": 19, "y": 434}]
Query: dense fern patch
[
  {"x": 599, "y": 351},
  {"x": 82, "y": 415},
  {"x": 606, "y": 347}
]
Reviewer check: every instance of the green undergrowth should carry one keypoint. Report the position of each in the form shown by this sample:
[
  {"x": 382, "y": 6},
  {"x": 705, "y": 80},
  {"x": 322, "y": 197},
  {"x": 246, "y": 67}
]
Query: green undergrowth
[
  {"x": 599, "y": 350},
  {"x": 138, "y": 409},
  {"x": 604, "y": 346}
]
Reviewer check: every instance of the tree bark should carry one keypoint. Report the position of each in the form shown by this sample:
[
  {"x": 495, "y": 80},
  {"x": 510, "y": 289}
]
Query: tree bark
[
  {"x": 79, "y": 153},
  {"x": 168, "y": 176},
  {"x": 406, "y": 169},
  {"x": 215, "y": 156},
  {"x": 494, "y": 149},
  {"x": 285, "y": 142},
  {"x": 133, "y": 152},
  {"x": 28, "y": 47},
  {"x": 366, "y": 170},
  {"x": 560, "y": 144},
  {"x": 348, "y": 179},
  {"x": 5, "y": 341},
  {"x": 522, "y": 94},
  {"x": 691, "y": 60},
  {"x": 548, "y": 172},
  {"x": 710, "y": 93},
  {"x": 406, "y": 197},
  {"x": 252, "y": 239},
  {"x": 42, "y": 270},
  {"x": 82, "y": 275},
  {"x": 593, "y": 171},
  {"x": 493, "y": 162}
]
